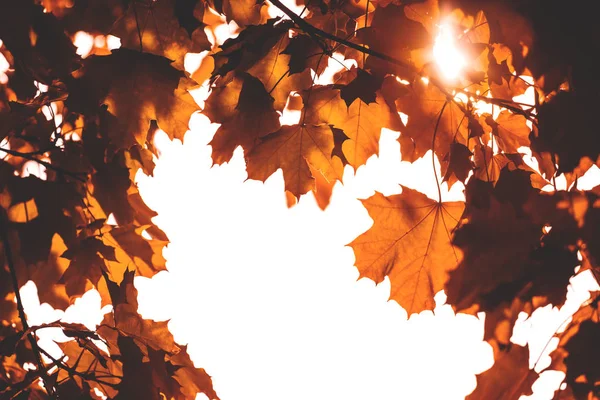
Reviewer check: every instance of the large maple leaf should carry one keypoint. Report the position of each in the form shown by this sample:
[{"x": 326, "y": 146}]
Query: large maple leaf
[
  {"x": 138, "y": 88},
  {"x": 292, "y": 148},
  {"x": 410, "y": 242}
]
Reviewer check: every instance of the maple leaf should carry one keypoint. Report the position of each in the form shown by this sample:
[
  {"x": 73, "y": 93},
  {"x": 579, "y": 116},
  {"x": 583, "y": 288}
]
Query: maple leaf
[
  {"x": 573, "y": 353},
  {"x": 252, "y": 44},
  {"x": 145, "y": 254},
  {"x": 506, "y": 252},
  {"x": 305, "y": 53},
  {"x": 392, "y": 33},
  {"x": 52, "y": 56},
  {"x": 565, "y": 129},
  {"x": 155, "y": 27},
  {"x": 254, "y": 116},
  {"x": 364, "y": 86},
  {"x": 508, "y": 379},
  {"x": 410, "y": 242},
  {"x": 192, "y": 380},
  {"x": 243, "y": 12},
  {"x": 292, "y": 148},
  {"x": 87, "y": 263},
  {"x": 423, "y": 106},
  {"x": 184, "y": 12},
  {"x": 487, "y": 164},
  {"x": 511, "y": 131},
  {"x": 360, "y": 122},
  {"x": 137, "y": 88},
  {"x": 274, "y": 72},
  {"x": 459, "y": 164}
]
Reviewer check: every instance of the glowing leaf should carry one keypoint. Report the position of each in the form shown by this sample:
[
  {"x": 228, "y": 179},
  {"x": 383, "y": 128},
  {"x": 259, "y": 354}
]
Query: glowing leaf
[
  {"x": 423, "y": 107},
  {"x": 254, "y": 116},
  {"x": 292, "y": 148},
  {"x": 158, "y": 24},
  {"x": 409, "y": 242},
  {"x": 511, "y": 131}
]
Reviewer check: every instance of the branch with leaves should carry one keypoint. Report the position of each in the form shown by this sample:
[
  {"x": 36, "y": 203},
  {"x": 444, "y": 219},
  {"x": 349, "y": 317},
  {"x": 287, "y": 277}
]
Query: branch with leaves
[{"x": 508, "y": 248}]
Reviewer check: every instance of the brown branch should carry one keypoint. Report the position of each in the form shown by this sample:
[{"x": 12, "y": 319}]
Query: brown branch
[
  {"x": 29, "y": 156},
  {"x": 318, "y": 33},
  {"x": 86, "y": 376},
  {"x": 48, "y": 385}
]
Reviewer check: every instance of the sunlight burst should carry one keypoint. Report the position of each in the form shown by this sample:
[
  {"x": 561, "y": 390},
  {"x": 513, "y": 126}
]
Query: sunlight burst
[{"x": 447, "y": 56}]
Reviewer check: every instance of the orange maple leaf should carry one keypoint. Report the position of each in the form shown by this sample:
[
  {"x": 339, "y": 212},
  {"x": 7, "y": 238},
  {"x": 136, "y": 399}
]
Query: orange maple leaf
[{"x": 410, "y": 242}]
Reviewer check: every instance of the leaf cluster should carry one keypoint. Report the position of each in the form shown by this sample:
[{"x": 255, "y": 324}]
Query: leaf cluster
[{"x": 87, "y": 124}]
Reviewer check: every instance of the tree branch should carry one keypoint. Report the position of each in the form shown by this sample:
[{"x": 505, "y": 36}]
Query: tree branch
[
  {"x": 48, "y": 385},
  {"x": 318, "y": 33},
  {"x": 29, "y": 156}
]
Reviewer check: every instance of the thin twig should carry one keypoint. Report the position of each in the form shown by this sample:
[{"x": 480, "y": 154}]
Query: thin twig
[
  {"x": 86, "y": 376},
  {"x": 30, "y": 157},
  {"x": 15, "y": 282}
]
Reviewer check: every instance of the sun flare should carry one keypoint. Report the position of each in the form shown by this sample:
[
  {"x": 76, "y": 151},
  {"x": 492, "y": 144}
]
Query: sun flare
[{"x": 447, "y": 55}]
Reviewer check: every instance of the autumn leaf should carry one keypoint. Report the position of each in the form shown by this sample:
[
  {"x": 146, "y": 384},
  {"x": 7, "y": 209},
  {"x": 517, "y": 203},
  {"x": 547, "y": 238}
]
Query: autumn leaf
[
  {"x": 253, "y": 117},
  {"x": 508, "y": 379},
  {"x": 392, "y": 33},
  {"x": 274, "y": 72},
  {"x": 292, "y": 148},
  {"x": 487, "y": 165},
  {"x": 145, "y": 254},
  {"x": 155, "y": 27},
  {"x": 87, "y": 264},
  {"x": 364, "y": 86},
  {"x": 192, "y": 380},
  {"x": 409, "y": 242},
  {"x": 243, "y": 12},
  {"x": 459, "y": 164},
  {"x": 360, "y": 122},
  {"x": 184, "y": 12},
  {"x": 507, "y": 254},
  {"x": 574, "y": 352},
  {"x": 424, "y": 105},
  {"x": 137, "y": 88},
  {"x": 250, "y": 46},
  {"x": 305, "y": 53},
  {"x": 511, "y": 131},
  {"x": 565, "y": 129},
  {"x": 50, "y": 57}
]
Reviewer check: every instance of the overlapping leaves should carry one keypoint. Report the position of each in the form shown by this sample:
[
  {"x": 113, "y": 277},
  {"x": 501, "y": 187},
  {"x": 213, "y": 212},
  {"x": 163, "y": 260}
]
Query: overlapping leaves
[{"x": 509, "y": 248}]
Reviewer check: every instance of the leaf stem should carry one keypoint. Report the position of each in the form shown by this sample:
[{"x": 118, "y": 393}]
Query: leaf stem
[{"x": 437, "y": 124}]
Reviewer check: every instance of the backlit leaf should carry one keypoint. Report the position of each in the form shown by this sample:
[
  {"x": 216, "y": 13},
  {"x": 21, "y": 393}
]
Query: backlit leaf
[{"x": 409, "y": 242}]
